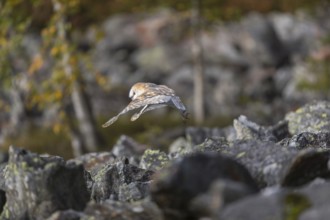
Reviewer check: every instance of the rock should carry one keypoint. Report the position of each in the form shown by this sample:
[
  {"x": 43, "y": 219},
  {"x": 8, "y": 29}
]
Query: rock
[
  {"x": 212, "y": 145},
  {"x": 317, "y": 213},
  {"x": 308, "y": 140},
  {"x": 318, "y": 195},
  {"x": 114, "y": 210},
  {"x": 272, "y": 164},
  {"x": 128, "y": 148},
  {"x": 221, "y": 193},
  {"x": 37, "y": 186},
  {"x": 179, "y": 147},
  {"x": 313, "y": 117},
  {"x": 264, "y": 160},
  {"x": 197, "y": 135},
  {"x": 259, "y": 40},
  {"x": 92, "y": 161},
  {"x": 120, "y": 180},
  {"x": 66, "y": 215},
  {"x": 153, "y": 160},
  {"x": 297, "y": 33},
  {"x": 2, "y": 200},
  {"x": 175, "y": 187},
  {"x": 306, "y": 166},
  {"x": 277, "y": 206},
  {"x": 246, "y": 130}
]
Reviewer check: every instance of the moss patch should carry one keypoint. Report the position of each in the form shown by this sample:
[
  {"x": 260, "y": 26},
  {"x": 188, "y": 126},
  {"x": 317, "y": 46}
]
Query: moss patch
[{"x": 295, "y": 204}]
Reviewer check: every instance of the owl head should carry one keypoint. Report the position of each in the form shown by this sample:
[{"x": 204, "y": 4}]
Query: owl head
[{"x": 138, "y": 89}]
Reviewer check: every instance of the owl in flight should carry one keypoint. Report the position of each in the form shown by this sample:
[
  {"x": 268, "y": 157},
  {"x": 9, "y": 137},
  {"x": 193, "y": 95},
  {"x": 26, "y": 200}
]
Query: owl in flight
[{"x": 147, "y": 97}]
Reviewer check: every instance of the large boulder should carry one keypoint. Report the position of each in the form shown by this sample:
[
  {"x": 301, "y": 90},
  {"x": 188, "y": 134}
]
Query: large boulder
[{"x": 36, "y": 186}]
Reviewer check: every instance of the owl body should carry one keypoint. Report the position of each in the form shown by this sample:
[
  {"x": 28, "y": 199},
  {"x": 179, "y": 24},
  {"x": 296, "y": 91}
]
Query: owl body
[{"x": 150, "y": 96}]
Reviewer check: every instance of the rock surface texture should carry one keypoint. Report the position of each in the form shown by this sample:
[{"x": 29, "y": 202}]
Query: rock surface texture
[{"x": 246, "y": 171}]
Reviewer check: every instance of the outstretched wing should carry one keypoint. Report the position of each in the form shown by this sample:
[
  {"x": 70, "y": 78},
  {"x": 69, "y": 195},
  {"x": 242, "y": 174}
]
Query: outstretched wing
[
  {"x": 149, "y": 108},
  {"x": 139, "y": 103},
  {"x": 160, "y": 102},
  {"x": 135, "y": 104}
]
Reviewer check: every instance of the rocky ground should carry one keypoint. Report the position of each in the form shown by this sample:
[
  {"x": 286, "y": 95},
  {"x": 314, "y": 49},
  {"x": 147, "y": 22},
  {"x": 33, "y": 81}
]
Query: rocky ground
[{"x": 244, "y": 171}]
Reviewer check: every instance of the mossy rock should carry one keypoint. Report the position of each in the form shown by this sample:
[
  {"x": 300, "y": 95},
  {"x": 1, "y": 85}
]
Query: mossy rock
[{"x": 313, "y": 117}]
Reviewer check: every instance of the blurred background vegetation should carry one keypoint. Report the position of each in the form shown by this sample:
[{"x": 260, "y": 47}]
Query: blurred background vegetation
[{"x": 48, "y": 85}]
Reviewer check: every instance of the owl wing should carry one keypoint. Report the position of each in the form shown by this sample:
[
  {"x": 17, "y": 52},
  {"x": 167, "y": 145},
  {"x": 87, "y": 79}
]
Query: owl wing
[
  {"x": 149, "y": 108},
  {"x": 161, "y": 101},
  {"x": 139, "y": 103}
]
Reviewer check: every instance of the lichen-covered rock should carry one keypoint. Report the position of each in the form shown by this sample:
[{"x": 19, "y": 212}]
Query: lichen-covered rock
[
  {"x": 212, "y": 145},
  {"x": 37, "y": 186},
  {"x": 308, "y": 140},
  {"x": 127, "y": 147},
  {"x": 197, "y": 135},
  {"x": 179, "y": 147},
  {"x": 92, "y": 161},
  {"x": 115, "y": 210},
  {"x": 153, "y": 160},
  {"x": 248, "y": 130},
  {"x": 313, "y": 117},
  {"x": 114, "y": 179},
  {"x": 175, "y": 187},
  {"x": 265, "y": 160}
]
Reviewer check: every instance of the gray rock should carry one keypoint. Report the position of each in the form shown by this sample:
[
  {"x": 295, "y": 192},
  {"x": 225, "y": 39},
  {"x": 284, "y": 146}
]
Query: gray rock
[
  {"x": 37, "y": 186},
  {"x": 306, "y": 166},
  {"x": 220, "y": 194},
  {"x": 262, "y": 44},
  {"x": 277, "y": 206},
  {"x": 308, "y": 140},
  {"x": 66, "y": 215},
  {"x": 120, "y": 180},
  {"x": 175, "y": 188},
  {"x": 114, "y": 210},
  {"x": 127, "y": 147},
  {"x": 197, "y": 135},
  {"x": 318, "y": 195},
  {"x": 92, "y": 161},
  {"x": 153, "y": 160},
  {"x": 317, "y": 213},
  {"x": 265, "y": 160},
  {"x": 297, "y": 32},
  {"x": 313, "y": 117},
  {"x": 248, "y": 130}
]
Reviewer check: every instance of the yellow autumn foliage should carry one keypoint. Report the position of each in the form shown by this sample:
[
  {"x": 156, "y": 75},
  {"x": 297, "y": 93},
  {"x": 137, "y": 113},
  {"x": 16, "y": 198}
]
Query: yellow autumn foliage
[{"x": 36, "y": 64}]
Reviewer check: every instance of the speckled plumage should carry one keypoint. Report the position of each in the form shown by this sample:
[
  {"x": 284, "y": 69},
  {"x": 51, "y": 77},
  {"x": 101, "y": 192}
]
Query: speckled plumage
[{"x": 150, "y": 96}]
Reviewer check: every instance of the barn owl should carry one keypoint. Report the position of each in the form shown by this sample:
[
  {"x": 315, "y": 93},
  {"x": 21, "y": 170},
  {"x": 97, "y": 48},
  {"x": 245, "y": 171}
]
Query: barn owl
[{"x": 149, "y": 96}]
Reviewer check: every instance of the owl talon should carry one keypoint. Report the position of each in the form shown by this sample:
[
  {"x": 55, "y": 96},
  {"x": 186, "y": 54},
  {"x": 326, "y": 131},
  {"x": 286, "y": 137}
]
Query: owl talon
[{"x": 135, "y": 116}]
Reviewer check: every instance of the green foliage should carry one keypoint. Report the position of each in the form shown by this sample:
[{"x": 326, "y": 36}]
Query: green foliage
[
  {"x": 42, "y": 140},
  {"x": 320, "y": 71},
  {"x": 12, "y": 27},
  {"x": 318, "y": 67},
  {"x": 295, "y": 204}
]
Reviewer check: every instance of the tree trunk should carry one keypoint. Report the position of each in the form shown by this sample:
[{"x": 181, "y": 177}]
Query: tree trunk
[
  {"x": 86, "y": 137},
  {"x": 86, "y": 122},
  {"x": 197, "y": 51}
]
